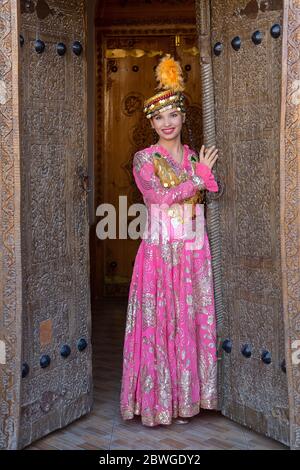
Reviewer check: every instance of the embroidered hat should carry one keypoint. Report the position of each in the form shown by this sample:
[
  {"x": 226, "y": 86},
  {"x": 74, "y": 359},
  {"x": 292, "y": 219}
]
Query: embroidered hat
[{"x": 169, "y": 75}]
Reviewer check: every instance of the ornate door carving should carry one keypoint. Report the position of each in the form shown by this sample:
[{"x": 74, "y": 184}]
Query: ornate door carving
[
  {"x": 56, "y": 356},
  {"x": 247, "y": 81}
]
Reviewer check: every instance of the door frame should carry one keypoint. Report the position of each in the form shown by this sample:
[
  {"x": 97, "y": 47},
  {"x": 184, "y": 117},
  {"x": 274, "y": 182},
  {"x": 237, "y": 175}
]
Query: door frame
[
  {"x": 290, "y": 207},
  {"x": 10, "y": 227}
]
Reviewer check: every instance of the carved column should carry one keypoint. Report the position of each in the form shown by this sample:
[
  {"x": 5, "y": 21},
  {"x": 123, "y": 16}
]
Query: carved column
[
  {"x": 209, "y": 133},
  {"x": 10, "y": 254}
]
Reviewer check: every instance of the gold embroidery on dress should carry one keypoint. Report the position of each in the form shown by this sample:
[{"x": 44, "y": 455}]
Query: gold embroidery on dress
[{"x": 169, "y": 178}]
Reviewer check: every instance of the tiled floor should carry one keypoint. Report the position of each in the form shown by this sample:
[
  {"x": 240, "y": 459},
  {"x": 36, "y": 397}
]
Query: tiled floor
[{"x": 104, "y": 428}]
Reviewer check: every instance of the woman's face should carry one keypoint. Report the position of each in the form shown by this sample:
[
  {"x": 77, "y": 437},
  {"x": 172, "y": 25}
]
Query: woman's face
[{"x": 168, "y": 124}]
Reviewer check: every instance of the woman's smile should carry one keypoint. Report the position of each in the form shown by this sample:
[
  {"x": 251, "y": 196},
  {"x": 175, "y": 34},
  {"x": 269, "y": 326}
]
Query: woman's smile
[{"x": 169, "y": 130}]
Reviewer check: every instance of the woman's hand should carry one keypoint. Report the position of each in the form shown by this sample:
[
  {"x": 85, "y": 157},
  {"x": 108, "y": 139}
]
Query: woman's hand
[{"x": 208, "y": 156}]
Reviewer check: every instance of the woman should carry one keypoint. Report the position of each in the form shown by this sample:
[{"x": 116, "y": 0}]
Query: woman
[{"x": 169, "y": 356}]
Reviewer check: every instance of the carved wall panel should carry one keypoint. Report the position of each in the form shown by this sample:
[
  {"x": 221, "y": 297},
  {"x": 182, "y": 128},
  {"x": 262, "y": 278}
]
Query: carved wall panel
[
  {"x": 10, "y": 253},
  {"x": 247, "y": 104},
  {"x": 55, "y": 253},
  {"x": 290, "y": 207}
]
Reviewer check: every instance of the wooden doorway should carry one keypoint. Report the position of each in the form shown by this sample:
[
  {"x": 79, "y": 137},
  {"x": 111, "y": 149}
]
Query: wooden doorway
[{"x": 27, "y": 416}]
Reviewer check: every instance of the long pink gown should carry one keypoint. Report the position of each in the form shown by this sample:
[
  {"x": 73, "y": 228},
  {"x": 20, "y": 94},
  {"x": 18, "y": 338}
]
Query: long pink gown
[{"x": 169, "y": 355}]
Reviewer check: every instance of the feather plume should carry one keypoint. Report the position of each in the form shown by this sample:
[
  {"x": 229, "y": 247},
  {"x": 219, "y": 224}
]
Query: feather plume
[{"x": 169, "y": 75}]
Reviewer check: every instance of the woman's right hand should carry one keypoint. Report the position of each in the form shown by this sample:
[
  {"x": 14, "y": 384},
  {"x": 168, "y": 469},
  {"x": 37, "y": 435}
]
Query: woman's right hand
[{"x": 208, "y": 156}]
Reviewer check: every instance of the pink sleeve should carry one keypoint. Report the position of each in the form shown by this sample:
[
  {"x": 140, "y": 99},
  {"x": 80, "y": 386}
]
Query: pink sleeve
[
  {"x": 150, "y": 186},
  {"x": 206, "y": 174}
]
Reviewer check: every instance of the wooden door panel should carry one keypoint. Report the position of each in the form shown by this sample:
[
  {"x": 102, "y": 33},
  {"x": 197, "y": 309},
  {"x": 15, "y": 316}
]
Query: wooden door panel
[
  {"x": 247, "y": 105},
  {"x": 55, "y": 257}
]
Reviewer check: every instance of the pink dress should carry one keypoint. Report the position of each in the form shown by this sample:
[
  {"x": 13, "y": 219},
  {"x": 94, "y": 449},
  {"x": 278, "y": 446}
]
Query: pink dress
[{"x": 169, "y": 355}]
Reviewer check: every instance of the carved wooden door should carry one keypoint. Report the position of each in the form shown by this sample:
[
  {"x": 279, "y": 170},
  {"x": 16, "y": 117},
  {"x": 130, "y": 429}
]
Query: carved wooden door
[
  {"x": 123, "y": 129},
  {"x": 56, "y": 352},
  {"x": 247, "y": 82}
]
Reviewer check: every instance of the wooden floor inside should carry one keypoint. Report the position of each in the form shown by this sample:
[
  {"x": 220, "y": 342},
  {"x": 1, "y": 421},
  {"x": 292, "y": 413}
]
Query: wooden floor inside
[{"x": 104, "y": 428}]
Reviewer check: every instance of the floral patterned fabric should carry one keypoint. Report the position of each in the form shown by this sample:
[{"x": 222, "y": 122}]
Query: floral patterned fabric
[{"x": 169, "y": 355}]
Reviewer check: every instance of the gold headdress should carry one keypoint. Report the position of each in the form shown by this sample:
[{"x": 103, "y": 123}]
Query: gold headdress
[{"x": 168, "y": 73}]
